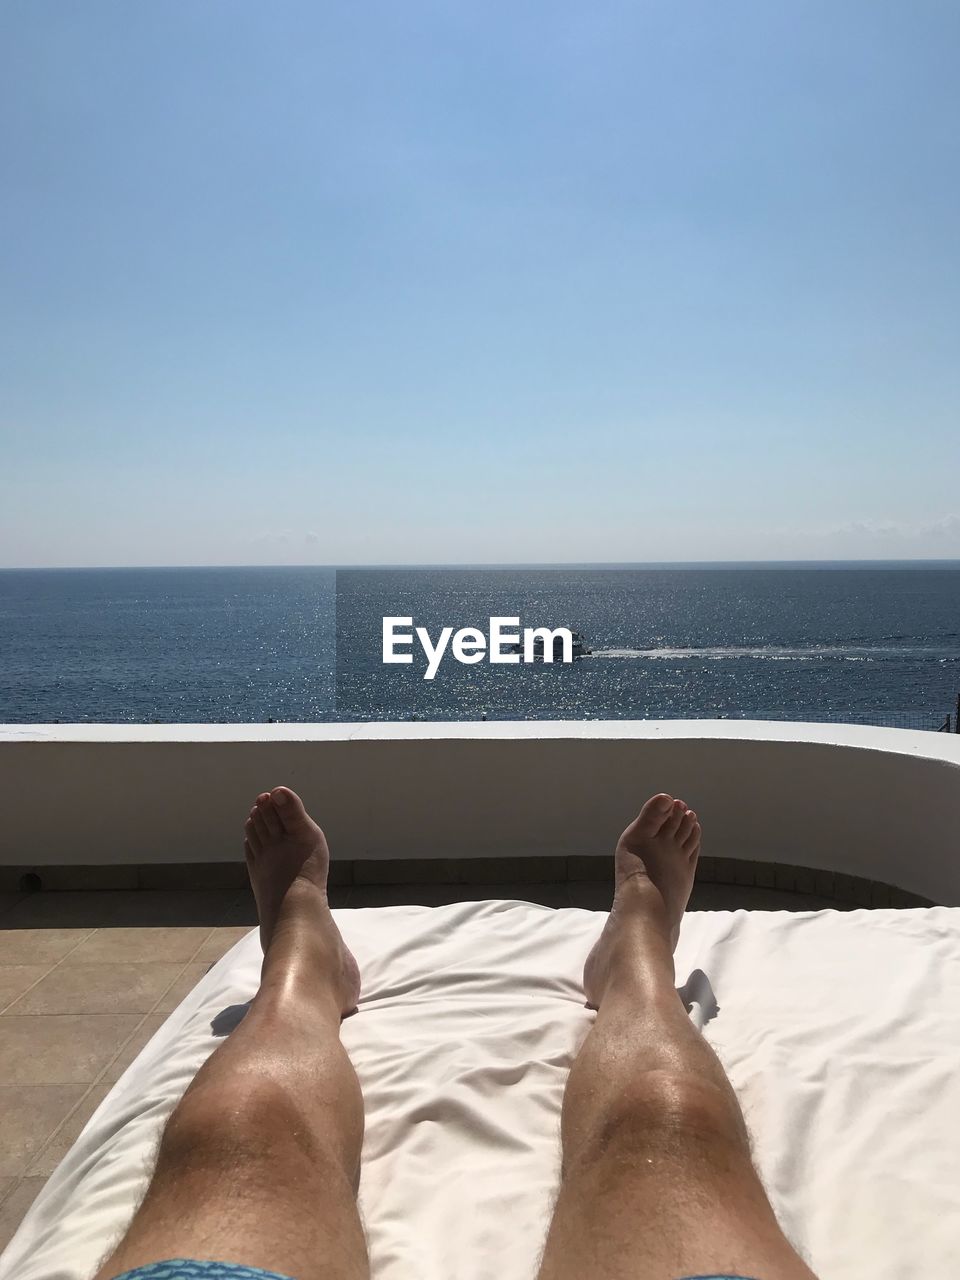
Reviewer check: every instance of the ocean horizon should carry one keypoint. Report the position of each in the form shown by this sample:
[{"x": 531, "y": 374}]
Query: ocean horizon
[
  {"x": 918, "y": 562},
  {"x": 855, "y": 641}
]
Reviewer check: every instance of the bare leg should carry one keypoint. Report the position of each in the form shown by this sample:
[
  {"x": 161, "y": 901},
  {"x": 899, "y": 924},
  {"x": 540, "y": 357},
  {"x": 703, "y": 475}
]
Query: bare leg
[
  {"x": 657, "y": 1177},
  {"x": 259, "y": 1163}
]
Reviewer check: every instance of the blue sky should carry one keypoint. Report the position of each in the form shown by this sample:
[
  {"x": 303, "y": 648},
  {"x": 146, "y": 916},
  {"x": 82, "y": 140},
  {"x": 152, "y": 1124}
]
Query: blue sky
[{"x": 453, "y": 282}]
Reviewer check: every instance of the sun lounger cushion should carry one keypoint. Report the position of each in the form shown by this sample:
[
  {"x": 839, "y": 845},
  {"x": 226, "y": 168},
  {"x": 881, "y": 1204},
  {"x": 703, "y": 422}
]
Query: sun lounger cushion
[{"x": 840, "y": 1031}]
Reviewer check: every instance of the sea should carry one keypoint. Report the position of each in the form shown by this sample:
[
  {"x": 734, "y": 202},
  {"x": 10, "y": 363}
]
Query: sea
[{"x": 848, "y": 642}]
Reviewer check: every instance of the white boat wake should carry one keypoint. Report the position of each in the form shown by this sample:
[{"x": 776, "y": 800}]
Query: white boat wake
[{"x": 779, "y": 653}]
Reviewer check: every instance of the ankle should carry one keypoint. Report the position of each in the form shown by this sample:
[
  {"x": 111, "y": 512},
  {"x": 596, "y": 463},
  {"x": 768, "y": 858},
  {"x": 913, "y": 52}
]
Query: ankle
[
  {"x": 638, "y": 967},
  {"x": 305, "y": 966},
  {"x": 640, "y": 911},
  {"x": 304, "y": 894}
]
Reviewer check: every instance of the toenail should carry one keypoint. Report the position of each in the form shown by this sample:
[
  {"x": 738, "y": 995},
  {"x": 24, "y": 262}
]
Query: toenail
[{"x": 280, "y": 797}]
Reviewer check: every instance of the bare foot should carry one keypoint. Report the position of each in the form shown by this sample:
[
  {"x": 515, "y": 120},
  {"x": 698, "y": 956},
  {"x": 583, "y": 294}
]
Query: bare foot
[
  {"x": 654, "y": 866},
  {"x": 287, "y": 861}
]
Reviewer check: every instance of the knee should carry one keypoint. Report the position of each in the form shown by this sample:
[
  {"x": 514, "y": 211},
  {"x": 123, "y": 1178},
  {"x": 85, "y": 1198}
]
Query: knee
[
  {"x": 663, "y": 1113},
  {"x": 232, "y": 1125}
]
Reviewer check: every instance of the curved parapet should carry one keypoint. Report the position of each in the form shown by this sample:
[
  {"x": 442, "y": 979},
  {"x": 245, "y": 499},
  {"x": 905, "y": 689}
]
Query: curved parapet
[{"x": 879, "y": 804}]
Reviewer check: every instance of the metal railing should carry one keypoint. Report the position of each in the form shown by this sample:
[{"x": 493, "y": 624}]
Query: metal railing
[{"x": 933, "y": 721}]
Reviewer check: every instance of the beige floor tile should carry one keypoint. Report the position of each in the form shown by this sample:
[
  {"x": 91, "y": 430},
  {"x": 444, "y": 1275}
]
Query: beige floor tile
[
  {"x": 220, "y": 941},
  {"x": 117, "y": 908},
  {"x": 69, "y": 1049},
  {"x": 138, "y": 945},
  {"x": 74, "y": 910},
  {"x": 15, "y": 979},
  {"x": 191, "y": 975},
  {"x": 38, "y": 946},
  {"x": 150, "y": 1026},
  {"x": 69, "y": 1131},
  {"x": 241, "y": 910},
  {"x": 156, "y": 908},
  {"x": 8, "y": 900},
  {"x": 15, "y": 1205},
  {"x": 99, "y": 988},
  {"x": 29, "y": 1115}
]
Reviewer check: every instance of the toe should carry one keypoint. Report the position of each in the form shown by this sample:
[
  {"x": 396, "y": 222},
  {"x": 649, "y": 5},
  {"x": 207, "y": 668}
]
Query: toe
[
  {"x": 289, "y": 808},
  {"x": 691, "y": 844},
  {"x": 251, "y": 841},
  {"x": 260, "y": 826},
  {"x": 267, "y": 811},
  {"x": 686, "y": 825},
  {"x": 654, "y": 813},
  {"x": 674, "y": 818}
]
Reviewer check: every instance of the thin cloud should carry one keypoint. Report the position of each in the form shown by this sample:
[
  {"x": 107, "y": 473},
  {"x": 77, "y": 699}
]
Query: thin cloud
[{"x": 947, "y": 526}]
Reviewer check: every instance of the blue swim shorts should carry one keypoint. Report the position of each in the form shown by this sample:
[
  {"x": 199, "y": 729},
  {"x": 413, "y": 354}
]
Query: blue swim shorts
[
  {"x": 188, "y": 1269},
  {"x": 191, "y": 1269}
]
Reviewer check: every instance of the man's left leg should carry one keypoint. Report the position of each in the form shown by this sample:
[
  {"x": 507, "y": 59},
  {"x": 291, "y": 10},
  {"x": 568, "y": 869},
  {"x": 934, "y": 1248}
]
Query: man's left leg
[
  {"x": 259, "y": 1163},
  {"x": 657, "y": 1179}
]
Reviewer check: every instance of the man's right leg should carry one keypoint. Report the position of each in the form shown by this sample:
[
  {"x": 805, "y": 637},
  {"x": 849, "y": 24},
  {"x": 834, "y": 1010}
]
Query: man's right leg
[
  {"x": 259, "y": 1163},
  {"x": 657, "y": 1179}
]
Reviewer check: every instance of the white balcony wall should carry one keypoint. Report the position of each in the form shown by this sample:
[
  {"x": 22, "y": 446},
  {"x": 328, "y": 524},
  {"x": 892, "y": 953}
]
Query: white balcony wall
[{"x": 883, "y": 804}]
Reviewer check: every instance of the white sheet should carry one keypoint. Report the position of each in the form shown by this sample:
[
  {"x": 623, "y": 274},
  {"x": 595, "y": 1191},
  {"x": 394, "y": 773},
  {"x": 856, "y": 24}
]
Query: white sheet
[{"x": 840, "y": 1031}]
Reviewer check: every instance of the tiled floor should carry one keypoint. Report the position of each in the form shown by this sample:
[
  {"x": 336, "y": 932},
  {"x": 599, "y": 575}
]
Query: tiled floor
[
  {"x": 85, "y": 981},
  {"x": 87, "y": 978}
]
